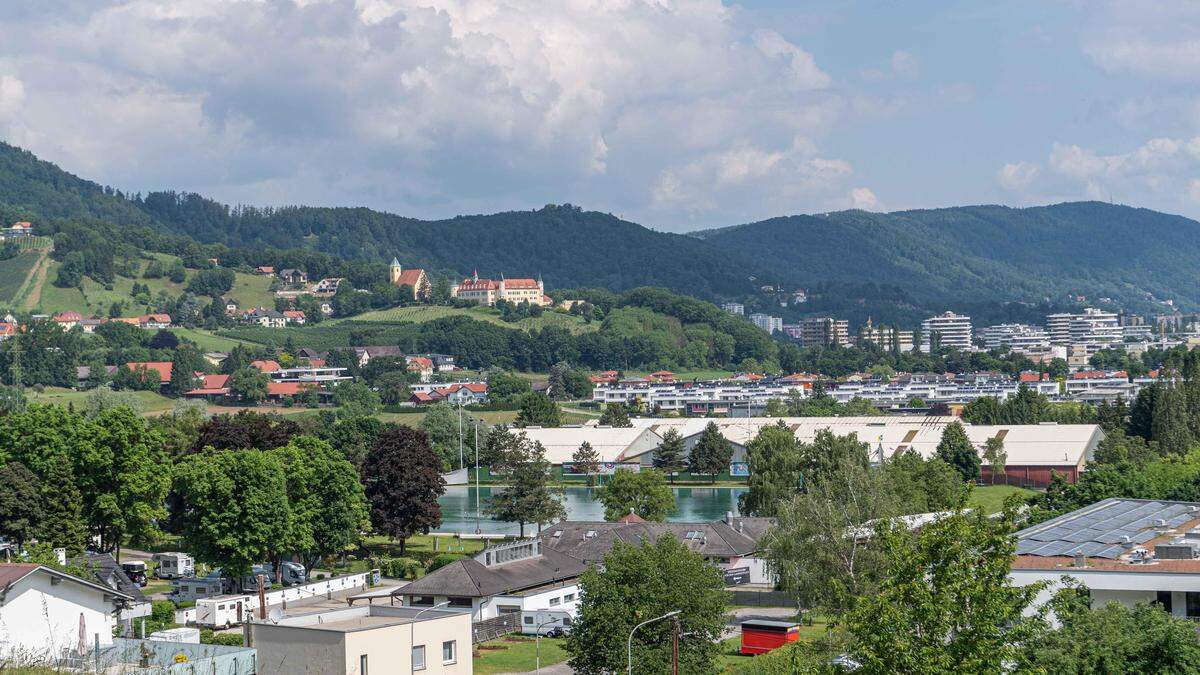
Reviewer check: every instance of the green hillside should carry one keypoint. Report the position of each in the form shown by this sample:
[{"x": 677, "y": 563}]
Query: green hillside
[
  {"x": 421, "y": 314},
  {"x": 986, "y": 253}
]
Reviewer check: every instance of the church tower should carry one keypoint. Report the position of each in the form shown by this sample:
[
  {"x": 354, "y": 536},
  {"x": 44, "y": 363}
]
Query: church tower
[{"x": 394, "y": 271}]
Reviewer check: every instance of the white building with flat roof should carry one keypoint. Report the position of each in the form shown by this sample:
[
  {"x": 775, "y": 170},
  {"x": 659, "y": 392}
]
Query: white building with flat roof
[
  {"x": 952, "y": 330},
  {"x": 365, "y": 639}
]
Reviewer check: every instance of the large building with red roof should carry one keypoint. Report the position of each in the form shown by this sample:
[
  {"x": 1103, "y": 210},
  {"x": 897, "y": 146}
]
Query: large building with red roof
[{"x": 489, "y": 291}]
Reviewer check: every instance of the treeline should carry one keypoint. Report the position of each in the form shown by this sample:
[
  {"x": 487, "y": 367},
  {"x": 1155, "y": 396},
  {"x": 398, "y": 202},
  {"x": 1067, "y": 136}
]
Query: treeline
[{"x": 1152, "y": 449}]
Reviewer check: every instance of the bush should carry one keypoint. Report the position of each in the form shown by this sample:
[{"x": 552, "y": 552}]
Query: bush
[
  {"x": 401, "y": 568},
  {"x": 208, "y": 637},
  {"x": 162, "y": 617},
  {"x": 441, "y": 560}
]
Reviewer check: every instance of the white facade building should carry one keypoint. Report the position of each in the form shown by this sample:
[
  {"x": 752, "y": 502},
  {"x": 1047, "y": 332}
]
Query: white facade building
[
  {"x": 697, "y": 397},
  {"x": 771, "y": 324},
  {"x": 953, "y": 330},
  {"x": 1018, "y": 337},
  {"x": 735, "y": 308},
  {"x": 46, "y": 614}
]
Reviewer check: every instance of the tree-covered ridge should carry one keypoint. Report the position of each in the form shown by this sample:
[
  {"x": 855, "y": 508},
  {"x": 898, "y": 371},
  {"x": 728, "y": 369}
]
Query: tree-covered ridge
[{"x": 985, "y": 253}]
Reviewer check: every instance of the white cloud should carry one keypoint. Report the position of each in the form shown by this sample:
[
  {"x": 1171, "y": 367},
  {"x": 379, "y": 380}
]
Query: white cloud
[
  {"x": 863, "y": 198},
  {"x": 1017, "y": 176},
  {"x": 426, "y": 107},
  {"x": 906, "y": 65}
]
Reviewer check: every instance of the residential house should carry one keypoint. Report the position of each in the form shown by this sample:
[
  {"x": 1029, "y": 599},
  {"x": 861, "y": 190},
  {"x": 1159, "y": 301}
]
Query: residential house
[
  {"x": 265, "y": 269},
  {"x": 266, "y": 365},
  {"x": 161, "y": 368},
  {"x": 456, "y": 393},
  {"x": 155, "y": 321},
  {"x": 365, "y": 354},
  {"x": 365, "y": 639},
  {"x": 293, "y": 277},
  {"x": 21, "y": 228},
  {"x": 520, "y": 581},
  {"x": 212, "y": 387},
  {"x": 267, "y": 318},
  {"x": 294, "y": 316},
  {"x": 328, "y": 286},
  {"x": 46, "y": 614},
  {"x": 7, "y": 330},
  {"x": 90, "y": 325},
  {"x": 67, "y": 320},
  {"x": 105, "y": 570},
  {"x": 420, "y": 365},
  {"x": 277, "y": 391},
  {"x": 414, "y": 278}
]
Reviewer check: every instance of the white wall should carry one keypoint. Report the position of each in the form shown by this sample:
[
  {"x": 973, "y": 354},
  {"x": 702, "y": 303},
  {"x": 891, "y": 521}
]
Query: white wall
[
  {"x": 39, "y": 619},
  {"x": 1125, "y": 587}
]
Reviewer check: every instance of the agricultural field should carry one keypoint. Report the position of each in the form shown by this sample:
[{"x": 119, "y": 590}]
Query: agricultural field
[
  {"x": 14, "y": 273},
  {"x": 207, "y": 341},
  {"x": 151, "y": 402},
  {"x": 991, "y": 498},
  {"x": 421, "y": 314}
]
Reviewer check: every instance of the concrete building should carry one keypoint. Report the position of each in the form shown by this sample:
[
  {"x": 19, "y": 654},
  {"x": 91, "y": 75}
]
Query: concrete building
[
  {"x": 699, "y": 398},
  {"x": 1018, "y": 337},
  {"x": 735, "y": 308},
  {"x": 1124, "y": 550},
  {"x": 823, "y": 331},
  {"x": 46, "y": 614},
  {"x": 884, "y": 337},
  {"x": 951, "y": 330},
  {"x": 488, "y": 292},
  {"x": 365, "y": 640},
  {"x": 771, "y": 324},
  {"x": 1091, "y": 327}
]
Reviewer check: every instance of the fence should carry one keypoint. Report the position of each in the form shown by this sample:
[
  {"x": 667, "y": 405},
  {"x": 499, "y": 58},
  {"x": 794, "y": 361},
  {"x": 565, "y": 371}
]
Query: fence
[
  {"x": 147, "y": 657},
  {"x": 317, "y": 589},
  {"x": 490, "y": 629}
]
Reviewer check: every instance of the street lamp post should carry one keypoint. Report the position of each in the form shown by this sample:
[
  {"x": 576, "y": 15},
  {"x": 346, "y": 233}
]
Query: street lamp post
[
  {"x": 412, "y": 634},
  {"x": 629, "y": 642},
  {"x": 537, "y": 643}
]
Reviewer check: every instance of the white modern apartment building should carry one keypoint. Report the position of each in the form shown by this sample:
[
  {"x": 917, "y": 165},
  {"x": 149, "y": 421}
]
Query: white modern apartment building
[
  {"x": 697, "y": 397},
  {"x": 884, "y": 336},
  {"x": 735, "y": 308},
  {"x": 1018, "y": 337},
  {"x": 771, "y": 324},
  {"x": 882, "y": 394},
  {"x": 953, "y": 330},
  {"x": 1092, "y": 326}
]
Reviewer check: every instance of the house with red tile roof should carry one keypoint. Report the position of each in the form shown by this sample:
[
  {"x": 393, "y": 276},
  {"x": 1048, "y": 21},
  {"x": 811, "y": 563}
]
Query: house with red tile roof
[
  {"x": 67, "y": 320},
  {"x": 211, "y": 387},
  {"x": 294, "y": 316},
  {"x": 266, "y": 365},
  {"x": 162, "y": 368}
]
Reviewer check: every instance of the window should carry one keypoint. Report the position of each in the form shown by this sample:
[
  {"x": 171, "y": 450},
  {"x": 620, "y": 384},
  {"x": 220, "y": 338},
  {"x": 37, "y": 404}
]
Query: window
[
  {"x": 566, "y": 621},
  {"x": 418, "y": 657},
  {"x": 1193, "y": 604},
  {"x": 362, "y": 665},
  {"x": 569, "y": 597},
  {"x": 460, "y": 602},
  {"x": 555, "y": 601},
  {"x": 220, "y": 606},
  {"x": 448, "y": 652},
  {"x": 529, "y": 621},
  {"x": 1164, "y": 599}
]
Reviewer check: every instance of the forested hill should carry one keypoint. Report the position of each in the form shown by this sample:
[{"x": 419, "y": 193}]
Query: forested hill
[
  {"x": 569, "y": 247},
  {"x": 986, "y": 253}
]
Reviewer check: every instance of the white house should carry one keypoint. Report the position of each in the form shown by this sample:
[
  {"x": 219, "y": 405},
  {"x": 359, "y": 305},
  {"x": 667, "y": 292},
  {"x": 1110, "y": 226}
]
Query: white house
[{"x": 46, "y": 614}]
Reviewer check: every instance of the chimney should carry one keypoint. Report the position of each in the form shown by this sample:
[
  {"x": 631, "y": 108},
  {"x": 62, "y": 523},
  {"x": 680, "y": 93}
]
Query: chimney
[{"x": 1080, "y": 561}]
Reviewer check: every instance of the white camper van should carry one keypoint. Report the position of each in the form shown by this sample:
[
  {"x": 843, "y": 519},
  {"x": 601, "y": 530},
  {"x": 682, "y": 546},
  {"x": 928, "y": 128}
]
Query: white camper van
[
  {"x": 224, "y": 611},
  {"x": 174, "y": 565}
]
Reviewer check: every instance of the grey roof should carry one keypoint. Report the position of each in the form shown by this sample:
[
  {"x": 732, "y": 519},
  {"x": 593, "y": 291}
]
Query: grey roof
[
  {"x": 591, "y": 541},
  {"x": 106, "y": 571},
  {"x": 470, "y": 578},
  {"x": 1106, "y": 529}
]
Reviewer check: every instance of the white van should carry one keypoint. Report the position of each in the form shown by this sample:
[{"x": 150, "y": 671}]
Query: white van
[
  {"x": 195, "y": 588},
  {"x": 174, "y": 565},
  {"x": 224, "y": 611}
]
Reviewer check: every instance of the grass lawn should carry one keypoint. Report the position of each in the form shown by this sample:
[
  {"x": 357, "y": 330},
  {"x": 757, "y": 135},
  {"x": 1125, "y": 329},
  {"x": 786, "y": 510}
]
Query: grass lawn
[
  {"x": 421, "y": 543},
  {"x": 991, "y": 498},
  {"x": 13, "y": 273},
  {"x": 413, "y": 419},
  {"x": 207, "y": 341},
  {"x": 252, "y": 290},
  {"x": 421, "y": 314},
  {"x": 516, "y": 654},
  {"x": 151, "y": 401}
]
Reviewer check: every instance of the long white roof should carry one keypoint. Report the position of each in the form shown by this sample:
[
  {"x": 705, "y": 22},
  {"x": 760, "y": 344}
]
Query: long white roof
[
  {"x": 1028, "y": 444},
  {"x": 562, "y": 442}
]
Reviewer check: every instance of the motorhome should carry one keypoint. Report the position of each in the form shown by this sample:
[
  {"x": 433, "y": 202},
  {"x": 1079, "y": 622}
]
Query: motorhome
[
  {"x": 292, "y": 574},
  {"x": 136, "y": 571},
  {"x": 223, "y": 611},
  {"x": 248, "y": 583},
  {"x": 195, "y": 588},
  {"x": 174, "y": 565}
]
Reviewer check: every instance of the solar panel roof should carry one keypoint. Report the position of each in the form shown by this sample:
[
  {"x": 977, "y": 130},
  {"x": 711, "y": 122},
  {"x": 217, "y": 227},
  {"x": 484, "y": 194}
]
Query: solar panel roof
[{"x": 1107, "y": 529}]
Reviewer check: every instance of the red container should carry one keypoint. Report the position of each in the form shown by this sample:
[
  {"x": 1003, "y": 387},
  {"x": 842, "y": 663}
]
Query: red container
[{"x": 761, "y": 636}]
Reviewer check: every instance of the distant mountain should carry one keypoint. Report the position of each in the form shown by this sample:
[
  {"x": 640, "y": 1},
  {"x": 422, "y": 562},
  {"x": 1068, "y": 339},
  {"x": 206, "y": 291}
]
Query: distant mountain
[
  {"x": 977, "y": 254},
  {"x": 995, "y": 262}
]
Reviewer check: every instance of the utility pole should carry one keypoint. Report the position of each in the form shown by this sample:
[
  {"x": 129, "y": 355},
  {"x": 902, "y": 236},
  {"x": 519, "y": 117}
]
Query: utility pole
[
  {"x": 461, "y": 464},
  {"x": 675, "y": 648},
  {"x": 476, "y": 476}
]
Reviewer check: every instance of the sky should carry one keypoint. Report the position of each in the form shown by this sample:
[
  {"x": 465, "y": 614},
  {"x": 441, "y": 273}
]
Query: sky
[{"x": 677, "y": 114}]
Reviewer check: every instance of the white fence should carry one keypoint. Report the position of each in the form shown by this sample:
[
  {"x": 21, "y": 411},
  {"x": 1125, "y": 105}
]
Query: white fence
[{"x": 282, "y": 596}]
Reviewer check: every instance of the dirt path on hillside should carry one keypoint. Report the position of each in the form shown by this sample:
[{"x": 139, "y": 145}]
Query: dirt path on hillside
[{"x": 37, "y": 277}]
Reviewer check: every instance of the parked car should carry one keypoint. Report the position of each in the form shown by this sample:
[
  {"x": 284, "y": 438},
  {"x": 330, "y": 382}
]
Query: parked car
[{"x": 136, "y": 571}]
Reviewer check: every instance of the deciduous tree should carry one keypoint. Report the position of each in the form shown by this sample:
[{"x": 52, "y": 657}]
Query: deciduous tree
[
  {"x": 402, "y": 478},
  {"x": 529, "y": 498},
  {"x": 538, "y": 410},
  {"x": 643, "y": 493}
]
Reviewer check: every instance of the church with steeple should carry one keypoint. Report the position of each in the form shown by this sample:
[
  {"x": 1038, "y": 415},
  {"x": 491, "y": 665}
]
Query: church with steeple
[
  {"x": 488, "y": 292},
  {"x": 416, "y": 279}
]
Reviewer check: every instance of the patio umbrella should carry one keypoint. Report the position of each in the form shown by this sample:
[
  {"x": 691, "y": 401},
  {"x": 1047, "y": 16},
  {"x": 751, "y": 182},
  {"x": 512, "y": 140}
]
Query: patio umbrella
[{"x": 82, "y": 648}]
